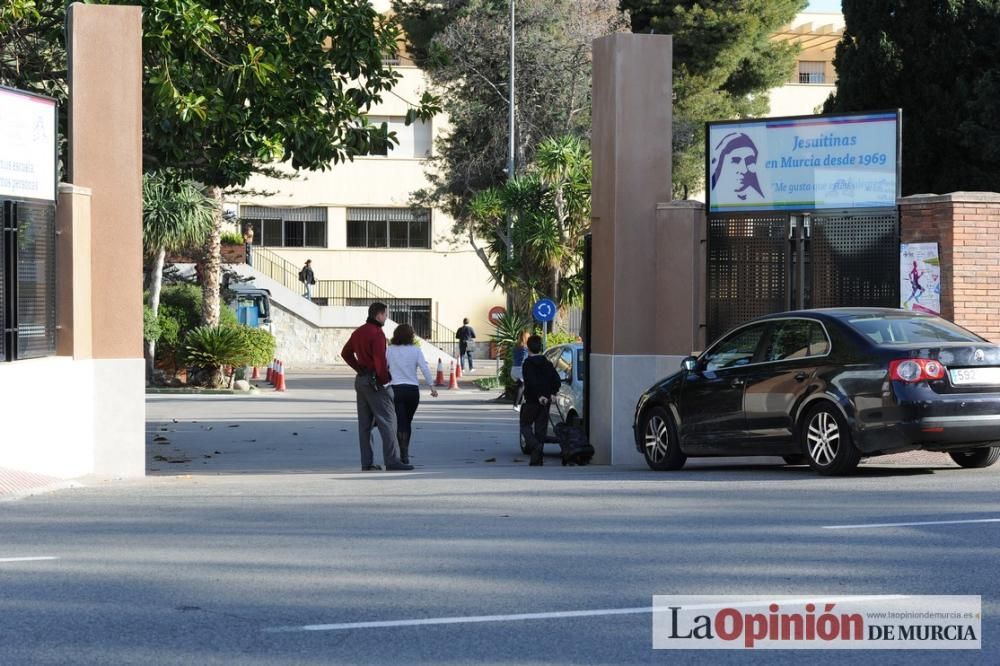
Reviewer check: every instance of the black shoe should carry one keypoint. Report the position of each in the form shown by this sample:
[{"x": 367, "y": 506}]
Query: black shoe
[
  {"x": 371, "y": 468},
  {"x": 399, "y": 467}
]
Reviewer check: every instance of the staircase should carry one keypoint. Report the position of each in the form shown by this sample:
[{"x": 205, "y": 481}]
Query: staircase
[{"x": 358, "y": 293}]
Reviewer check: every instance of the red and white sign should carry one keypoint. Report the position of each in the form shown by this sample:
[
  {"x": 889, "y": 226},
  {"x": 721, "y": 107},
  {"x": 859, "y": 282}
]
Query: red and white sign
[{"x": 496, "y": 313}]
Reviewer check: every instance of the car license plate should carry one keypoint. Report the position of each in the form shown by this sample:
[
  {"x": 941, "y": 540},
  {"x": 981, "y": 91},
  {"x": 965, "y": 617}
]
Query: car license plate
[{"x": 975, "y": 377}]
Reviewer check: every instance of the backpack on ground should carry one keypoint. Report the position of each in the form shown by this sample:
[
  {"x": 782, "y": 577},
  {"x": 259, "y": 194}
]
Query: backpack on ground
[{"x": 573, "y": 443}]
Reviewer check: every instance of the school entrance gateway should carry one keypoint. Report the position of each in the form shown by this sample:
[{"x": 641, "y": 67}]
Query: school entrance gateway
[{"x": 801, "y": 214}]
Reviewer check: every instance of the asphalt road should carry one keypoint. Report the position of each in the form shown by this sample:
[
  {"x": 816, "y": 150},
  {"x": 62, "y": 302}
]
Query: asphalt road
[{"x": 277, "y": 550}]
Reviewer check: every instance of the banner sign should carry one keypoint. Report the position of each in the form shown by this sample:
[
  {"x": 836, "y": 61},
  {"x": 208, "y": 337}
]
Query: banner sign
[
  {"x": 27, "y": 146},
  {"x": 920, "y": 277},
  {"x": 803, "y": 163}
]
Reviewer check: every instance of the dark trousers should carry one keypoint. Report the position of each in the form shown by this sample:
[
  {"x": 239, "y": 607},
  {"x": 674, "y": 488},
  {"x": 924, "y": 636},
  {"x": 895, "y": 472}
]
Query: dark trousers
[
  {"x": 464, "y": 353},
  {"x": 375, "y": 408},
  {"x": 249, "y": 253},
  {"x": 406, "y": 399},
  {"x": 534, "y": 420}
]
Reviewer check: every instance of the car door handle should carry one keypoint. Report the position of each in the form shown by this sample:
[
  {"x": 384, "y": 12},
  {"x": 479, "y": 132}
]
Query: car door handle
[{"x": 801, "y": 377}]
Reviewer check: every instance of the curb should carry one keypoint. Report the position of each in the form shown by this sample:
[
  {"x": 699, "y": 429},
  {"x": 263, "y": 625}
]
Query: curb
[{"x": 15, "y": 485}]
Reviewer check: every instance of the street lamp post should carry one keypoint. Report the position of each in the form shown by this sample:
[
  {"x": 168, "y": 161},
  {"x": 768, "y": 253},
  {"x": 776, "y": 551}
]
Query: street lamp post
[{"x": 510, "y": 155}]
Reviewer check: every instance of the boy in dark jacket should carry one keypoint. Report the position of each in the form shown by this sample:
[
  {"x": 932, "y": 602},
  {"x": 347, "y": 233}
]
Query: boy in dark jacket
[{"x": 541, "y": 383}]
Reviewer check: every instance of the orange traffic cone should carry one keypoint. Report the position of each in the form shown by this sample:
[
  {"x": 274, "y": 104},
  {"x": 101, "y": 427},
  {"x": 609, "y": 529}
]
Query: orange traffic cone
[
  {"x": 256, "y": 374},
  {"x": 458, "y": 369},
  {"x": 452, "y": 380},
  {"x": 279, "y": 381},
  {"x": 270, "y": 372},
  {"x": 439, "y": 380}
]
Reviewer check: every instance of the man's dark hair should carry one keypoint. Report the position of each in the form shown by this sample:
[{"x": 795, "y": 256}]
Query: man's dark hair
[
  {"x": 465, "y": 321},
  {"x": 375, "y": 309},
  {"x": 535, "y": 344}
]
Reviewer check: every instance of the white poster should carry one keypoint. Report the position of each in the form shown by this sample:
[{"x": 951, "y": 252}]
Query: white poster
[
  {"x": 27, "y": 146},
  {"x": 805, "y": 163},
  {"x": 920, "y": 277}
]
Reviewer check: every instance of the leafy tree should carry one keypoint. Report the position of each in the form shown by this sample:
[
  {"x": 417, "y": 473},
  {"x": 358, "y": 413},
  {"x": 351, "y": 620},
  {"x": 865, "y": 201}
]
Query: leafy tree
[
  {"x": 176, "y": 215},
  {"x": 422, "y": 21},
  {"x": 231, "y": 87},
  {"x": 937, "y": 60},
  {"x": 550, "y": 208},
  {"x": 470, "y": 68},
  {"x": 723, "y": 65}
]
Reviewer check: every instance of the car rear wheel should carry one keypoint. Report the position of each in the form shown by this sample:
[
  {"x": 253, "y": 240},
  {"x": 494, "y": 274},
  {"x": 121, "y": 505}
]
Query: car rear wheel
[
  {"x": 659, "y": 441},
  {"x": 983, "y": 457},
  {"x": 826, "y": 441}
]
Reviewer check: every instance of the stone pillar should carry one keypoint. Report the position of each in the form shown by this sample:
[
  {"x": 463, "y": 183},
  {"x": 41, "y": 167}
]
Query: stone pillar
[
  {"x": 74, "y": 322},
  {"x": 105, "y": 156},
  {"x": 965, "y": 226},
  {"x": 632, "y": 148}
]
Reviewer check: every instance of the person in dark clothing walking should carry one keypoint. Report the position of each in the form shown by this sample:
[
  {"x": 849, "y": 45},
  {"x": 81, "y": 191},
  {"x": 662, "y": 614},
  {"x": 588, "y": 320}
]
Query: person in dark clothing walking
[
  {"x": 465, "y": 336},
  {"x": 541, "y": 384},
  {"x": 365, "y": 352},
  {"x": 308, "y": 278}
]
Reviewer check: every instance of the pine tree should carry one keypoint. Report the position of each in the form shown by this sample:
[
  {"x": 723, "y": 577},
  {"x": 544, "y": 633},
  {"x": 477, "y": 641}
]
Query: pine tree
[
  {"x": 724, "y": 64},
  {"x": 937, "y": 61}
]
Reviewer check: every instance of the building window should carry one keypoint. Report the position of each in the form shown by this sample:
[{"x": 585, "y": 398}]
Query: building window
[
  {"x": 389, "y": 227},
  {"x": 286, "y": 227},
  {"x": 812, "y": 71},
  {"x": 27, "y": 281},
  {"x": 415, "y": 140}
]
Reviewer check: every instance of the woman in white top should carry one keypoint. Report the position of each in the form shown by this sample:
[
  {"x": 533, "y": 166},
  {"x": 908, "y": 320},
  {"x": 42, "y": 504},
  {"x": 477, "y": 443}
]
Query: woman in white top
[{"x": 404, "y": 359}]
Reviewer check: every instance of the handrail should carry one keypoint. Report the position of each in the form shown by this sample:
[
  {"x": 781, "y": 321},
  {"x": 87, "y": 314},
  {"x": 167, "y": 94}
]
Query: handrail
[{"x": 340, "y": 292}]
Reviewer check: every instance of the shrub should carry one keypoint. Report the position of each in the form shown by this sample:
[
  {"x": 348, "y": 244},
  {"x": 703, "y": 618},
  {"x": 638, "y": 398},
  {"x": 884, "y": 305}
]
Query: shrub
[
  {"x": 210, "y": 348},
  {"x": 560, "y": 338},
  {"x": 258, "y": 346},
  {"x": 151, "y": 329},
  {"x": 232, "y": 238}
]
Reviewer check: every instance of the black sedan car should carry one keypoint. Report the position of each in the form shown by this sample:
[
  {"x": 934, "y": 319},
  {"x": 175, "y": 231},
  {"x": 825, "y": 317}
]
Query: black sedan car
[{"x": 828, "y": 387}]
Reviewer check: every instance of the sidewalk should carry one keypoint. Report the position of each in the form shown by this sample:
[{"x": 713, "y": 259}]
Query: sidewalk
[{"x": 15, "y": 484}]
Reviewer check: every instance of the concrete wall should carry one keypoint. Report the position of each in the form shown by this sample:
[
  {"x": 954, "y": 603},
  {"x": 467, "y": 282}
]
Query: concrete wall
[{"x": 964, "y": 225}]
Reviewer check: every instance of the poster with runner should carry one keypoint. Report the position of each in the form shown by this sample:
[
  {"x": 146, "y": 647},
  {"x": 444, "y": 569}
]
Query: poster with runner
[{"x": 920, "y": 277}]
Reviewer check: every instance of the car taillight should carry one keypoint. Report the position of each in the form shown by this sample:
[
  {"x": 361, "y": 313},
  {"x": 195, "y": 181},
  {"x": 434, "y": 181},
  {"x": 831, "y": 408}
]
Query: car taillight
[{"x": 913, "y": 370}]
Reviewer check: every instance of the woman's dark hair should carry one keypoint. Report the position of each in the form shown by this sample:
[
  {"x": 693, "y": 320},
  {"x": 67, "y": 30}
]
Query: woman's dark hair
[{"x": 403, "y": 335}]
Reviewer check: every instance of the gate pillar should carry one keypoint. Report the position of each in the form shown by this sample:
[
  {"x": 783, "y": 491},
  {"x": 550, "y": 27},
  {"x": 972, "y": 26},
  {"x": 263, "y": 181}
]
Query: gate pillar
[{"x": 646, "y": 273}]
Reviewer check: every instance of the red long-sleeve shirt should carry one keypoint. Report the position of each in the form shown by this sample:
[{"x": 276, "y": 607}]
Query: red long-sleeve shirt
[{"x": 365, "y": 352}]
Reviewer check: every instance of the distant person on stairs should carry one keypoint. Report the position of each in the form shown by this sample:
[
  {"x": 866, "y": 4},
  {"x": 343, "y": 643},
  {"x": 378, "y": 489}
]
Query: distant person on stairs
[
  {"x": 308, "y": 278},
  {"x": 465, "y": 336}
]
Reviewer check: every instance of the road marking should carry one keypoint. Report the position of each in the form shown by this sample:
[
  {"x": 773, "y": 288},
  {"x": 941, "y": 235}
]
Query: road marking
[
  {"x": 26, "y": 559},
  {"x": 929, "y": 522},
  {"x": 474, "y": 619}
]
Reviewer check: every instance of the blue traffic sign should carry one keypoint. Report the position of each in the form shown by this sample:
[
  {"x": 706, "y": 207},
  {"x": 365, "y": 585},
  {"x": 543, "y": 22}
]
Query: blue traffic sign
[{"x": 544, "y": 310}]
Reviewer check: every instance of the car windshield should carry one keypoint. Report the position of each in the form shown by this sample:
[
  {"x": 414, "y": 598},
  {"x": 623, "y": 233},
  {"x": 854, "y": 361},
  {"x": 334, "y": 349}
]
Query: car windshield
[{"x": 902, "y": 329}]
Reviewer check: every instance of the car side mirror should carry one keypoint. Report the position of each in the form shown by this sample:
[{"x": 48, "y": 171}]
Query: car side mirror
[{"x": 690, "y": 364}]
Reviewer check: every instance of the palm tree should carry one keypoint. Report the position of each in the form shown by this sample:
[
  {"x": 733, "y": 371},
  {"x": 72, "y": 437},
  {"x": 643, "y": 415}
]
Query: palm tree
[
  {"x": 176, "y": 214},
  {"x": 550, "y": 206}
]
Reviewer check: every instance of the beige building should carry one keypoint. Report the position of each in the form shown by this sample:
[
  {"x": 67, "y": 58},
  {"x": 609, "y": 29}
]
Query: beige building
[
  {"x": 355, "y": 223},
  {"x": 813, "y": 79}
]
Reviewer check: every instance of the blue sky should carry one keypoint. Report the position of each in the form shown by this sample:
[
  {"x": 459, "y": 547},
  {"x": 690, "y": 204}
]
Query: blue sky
[{"x": 823, "y": 6}]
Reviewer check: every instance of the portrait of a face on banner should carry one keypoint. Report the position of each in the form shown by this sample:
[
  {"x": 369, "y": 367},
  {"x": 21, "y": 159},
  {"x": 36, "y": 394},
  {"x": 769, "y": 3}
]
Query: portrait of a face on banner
[{"x": 803, "y": 163}]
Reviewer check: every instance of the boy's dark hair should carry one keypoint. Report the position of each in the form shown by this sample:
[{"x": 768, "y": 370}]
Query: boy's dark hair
[
  {"x": 465, "y": 322},
  {"x": 403, "y": 335},
  {"x": 376, "y": 309},
  {"x": 535, "y": 344}
]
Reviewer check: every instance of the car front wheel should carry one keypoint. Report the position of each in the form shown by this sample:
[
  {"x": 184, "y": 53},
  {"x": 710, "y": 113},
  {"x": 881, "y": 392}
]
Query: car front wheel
[
  {"x": 659, "y": 441},
  {"x": 976, "y": 458},
  {"x": 826, "y": 442}
]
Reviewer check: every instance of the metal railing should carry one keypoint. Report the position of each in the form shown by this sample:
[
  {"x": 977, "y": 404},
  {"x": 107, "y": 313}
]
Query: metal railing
[{"x": 360, "y": 293}]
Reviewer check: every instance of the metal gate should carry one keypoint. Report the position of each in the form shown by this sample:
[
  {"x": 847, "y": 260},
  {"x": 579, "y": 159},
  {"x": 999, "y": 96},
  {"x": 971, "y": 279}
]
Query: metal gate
[{"x": 759, "y": 263}]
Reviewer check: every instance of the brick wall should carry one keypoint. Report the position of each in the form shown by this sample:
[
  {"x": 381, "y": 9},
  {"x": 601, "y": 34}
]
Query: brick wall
[{"x": 966, "y": 226}]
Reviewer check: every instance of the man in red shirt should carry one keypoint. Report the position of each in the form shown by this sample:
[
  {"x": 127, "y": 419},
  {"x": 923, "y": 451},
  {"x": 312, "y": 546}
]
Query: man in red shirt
[{"x": 365, "y": 352}]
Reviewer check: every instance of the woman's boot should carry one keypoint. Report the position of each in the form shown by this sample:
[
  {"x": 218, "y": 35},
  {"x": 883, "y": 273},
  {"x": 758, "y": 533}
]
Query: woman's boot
[{"x": 404, "y": 447}]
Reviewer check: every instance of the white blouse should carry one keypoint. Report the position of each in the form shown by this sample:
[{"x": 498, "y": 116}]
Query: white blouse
[{"x": 403, "y": 363}]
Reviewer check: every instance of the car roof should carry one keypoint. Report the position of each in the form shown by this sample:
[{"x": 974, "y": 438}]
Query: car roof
[{"x": 842, "y": 313}]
